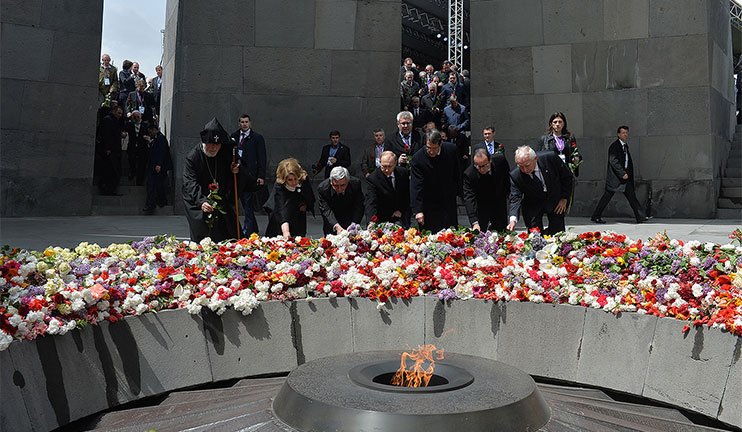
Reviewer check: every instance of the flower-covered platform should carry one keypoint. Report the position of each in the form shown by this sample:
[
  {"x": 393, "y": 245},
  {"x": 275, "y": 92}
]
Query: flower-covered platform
[{"x": 596, "y": 308}]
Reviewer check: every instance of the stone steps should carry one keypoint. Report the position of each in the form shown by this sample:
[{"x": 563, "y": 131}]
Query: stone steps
[
  {"x": 129, "y": 202},
  {"x": 730, "y": 195}
]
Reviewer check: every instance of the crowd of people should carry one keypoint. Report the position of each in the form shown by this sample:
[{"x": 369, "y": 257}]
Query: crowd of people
[
  {"x": 415, "y": 174},
  {"x": 128, "y": 121}
]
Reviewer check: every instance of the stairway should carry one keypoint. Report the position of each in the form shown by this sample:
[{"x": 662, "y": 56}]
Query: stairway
[
  {"x": 131, "y": 200},
  {"x": 730, "y": 198}
]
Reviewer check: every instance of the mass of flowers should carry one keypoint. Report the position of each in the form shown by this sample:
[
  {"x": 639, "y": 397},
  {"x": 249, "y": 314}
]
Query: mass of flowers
[{"x": 57, "y": 290}]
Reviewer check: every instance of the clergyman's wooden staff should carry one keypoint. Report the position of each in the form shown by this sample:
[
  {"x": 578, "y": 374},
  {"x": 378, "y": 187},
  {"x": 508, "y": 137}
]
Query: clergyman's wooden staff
[{"x": 236, "y": 206}]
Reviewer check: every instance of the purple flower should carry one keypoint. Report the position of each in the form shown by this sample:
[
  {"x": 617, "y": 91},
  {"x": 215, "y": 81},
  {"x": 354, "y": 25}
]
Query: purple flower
[
  {"x": 447, "y": 294},
  {"x": 81, "y": 270},
  {"x": 35, "y": 290}
]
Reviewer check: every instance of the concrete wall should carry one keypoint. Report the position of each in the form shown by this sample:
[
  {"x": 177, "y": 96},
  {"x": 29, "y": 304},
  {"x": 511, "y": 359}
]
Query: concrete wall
[
  {"x": 299, "y": 69},
  {"x": 52, "y": 381},
  {"x": 662, "y": 67},
  {"x": 49, "y": 87}
]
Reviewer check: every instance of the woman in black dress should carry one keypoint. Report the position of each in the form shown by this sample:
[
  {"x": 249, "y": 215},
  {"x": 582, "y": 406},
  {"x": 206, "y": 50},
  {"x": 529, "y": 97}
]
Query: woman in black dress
[{"x": 289, "y": 201}]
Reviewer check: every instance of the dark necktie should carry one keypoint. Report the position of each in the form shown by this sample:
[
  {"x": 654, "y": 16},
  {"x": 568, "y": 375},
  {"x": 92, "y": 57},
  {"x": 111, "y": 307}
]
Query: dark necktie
[
  {"x": 537, "y": 181},
  {"x": 242, "y": 140},
  {"x": 389, "y": 180},
  {"x": 625, "y": 156}
]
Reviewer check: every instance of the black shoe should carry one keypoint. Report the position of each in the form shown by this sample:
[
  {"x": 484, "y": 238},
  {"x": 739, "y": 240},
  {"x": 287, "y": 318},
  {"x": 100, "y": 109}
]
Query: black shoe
[
  {"x": 597, "y": 220},
  {"x": 644, "y": 219},
  {"x": 148, "y": 210}
]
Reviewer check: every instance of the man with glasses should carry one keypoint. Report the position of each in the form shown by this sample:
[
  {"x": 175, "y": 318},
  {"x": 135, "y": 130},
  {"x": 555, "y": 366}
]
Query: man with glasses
[
  {"x": 340, "y": 201},
  {"x": 539, "y": 186},
  {"x": 406, "y": 142},
  {"x": 433, "y": 184},
  {"x": 486, "y": 185},
  {"x": 388, "y": 198}
]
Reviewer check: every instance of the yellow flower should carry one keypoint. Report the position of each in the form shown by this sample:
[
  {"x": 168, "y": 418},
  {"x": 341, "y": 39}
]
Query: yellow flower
[
  {"x": 558, "y": 259},
  {"x": 273, "y": 256},
  {"x": 633, "y": 250},
  {"x": 49, "y": 252},
  {"x": 620, "y": 260}
]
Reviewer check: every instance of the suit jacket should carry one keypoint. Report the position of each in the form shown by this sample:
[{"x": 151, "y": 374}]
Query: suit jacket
[
  {"x": 456, "y": 117},
  {"x": 340, "y": 209},
  {"x": 113, "y": 77},
  {"x": 126, "y": 82},
  {"x": 159, "y": 154},
  {"x": 407, "y": 91},
  {"x": 548, "y": 142},
  {"x": 423, "y": 117},
  {"x": 382, "y": 199},
  {"x": 485, "y": 196},
  {"x": 430, "y": 102},
  {"x": 499, "y": 148},
  {"x": 136, "y": 140},
  {"x": 526, "y": 195},
  {"x": 110, "y": 136},
  {"x": 447, "y": 91},
  {"x": 433, "y": 187},
  {"x": 252, "y": 153},
  {"x": 368, "y": 163},
  {"x": 398, "y": 145},
  {"x": 342, "y": 155},
  {"x": 614, "y": 181},
  {"x": 145, "y": 99}
]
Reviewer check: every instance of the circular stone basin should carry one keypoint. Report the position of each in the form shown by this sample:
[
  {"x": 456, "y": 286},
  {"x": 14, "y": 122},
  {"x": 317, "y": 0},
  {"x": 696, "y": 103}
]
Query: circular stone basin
[{"x": 349, "y": 392}]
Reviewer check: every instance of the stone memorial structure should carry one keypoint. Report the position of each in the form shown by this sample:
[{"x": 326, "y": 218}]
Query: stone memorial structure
[{"x": 662, "y": 67}]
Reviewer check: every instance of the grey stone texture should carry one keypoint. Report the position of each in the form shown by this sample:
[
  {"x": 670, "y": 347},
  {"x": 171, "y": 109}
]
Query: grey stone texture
[
  {"x": 299, "y": 70},
  {"x": 700, "y": 349},
  {"x": 258, "y": 343},
  {"x": 659, "y": 66},
  {"x": 615, "y": 350},
  {"x": 397, "y": 325},
  {"x": 43, "y": 384},
  {"x": 541, "y": 339},
  {"x": 463, "y": 327},
  {"x": 49, "y": 102}
]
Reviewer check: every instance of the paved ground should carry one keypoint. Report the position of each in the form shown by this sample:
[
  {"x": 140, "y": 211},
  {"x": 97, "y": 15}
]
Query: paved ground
[{"x": 40, "y": 232}]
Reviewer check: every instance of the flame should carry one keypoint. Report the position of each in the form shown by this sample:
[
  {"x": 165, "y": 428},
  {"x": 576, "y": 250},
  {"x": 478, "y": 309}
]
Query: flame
[{"x": 418, "y": 375}]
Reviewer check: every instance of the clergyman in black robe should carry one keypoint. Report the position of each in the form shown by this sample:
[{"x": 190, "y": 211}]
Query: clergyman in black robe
[{"x": 210, "y": 163}]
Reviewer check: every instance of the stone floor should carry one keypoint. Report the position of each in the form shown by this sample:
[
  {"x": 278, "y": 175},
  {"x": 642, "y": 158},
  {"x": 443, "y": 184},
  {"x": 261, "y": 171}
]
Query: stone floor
[
  {"x": 245, "y": 405},
  {"x": 40, "y": 232}
]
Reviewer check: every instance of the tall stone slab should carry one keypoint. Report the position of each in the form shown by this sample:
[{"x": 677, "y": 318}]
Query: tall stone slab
[
  {"x": 49, "y": 87},
  {"x": 662, "y": 67},
  {"x": 299, "y": 69}
]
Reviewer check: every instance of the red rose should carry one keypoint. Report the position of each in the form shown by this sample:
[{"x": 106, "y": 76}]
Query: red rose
[{"x": 212, "y": 187}]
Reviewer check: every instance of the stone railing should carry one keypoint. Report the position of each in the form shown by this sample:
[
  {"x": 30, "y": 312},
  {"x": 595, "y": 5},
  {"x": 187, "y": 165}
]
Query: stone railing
[{"x": 52, "y": 381}]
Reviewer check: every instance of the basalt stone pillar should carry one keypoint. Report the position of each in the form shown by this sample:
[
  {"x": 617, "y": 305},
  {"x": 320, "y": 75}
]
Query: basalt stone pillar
[
  {"x": 299, "y": 69},
  {"x": 49, "y": 87},
  {"x": 662, "y": 67}
]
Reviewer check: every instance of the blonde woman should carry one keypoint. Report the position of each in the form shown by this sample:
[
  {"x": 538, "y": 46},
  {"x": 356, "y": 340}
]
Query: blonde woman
[{"x": 289, "y": 201}]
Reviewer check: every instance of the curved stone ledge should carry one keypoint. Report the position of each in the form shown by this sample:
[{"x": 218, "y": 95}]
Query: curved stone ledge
[{"x": 52, "y": 381}]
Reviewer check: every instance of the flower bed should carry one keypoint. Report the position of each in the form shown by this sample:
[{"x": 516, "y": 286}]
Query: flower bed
[{"x": 57, "y": 290}]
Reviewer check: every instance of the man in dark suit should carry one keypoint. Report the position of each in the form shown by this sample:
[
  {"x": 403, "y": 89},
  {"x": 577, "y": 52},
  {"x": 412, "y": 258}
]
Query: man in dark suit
[
  {"x": 159, "y": 163},
  {"x": 388, "y": 198},
  {"x": 251, "y": 151},
  {"x": 489, "y": 143},
  {"x": 108, "y": 152},
  {"x": 333, "y": 155},
  {"x": 619, "y": 177},
  {"x": 453, "y": 88},
  {"x": 420, "y": 115},
  {"x": 540, "y": 185},
  {"x": 340, "y": 201},
  {"x": 372, "y": 155},
  {"x": 433, "y": 184},
  {"x": 486, "y": 190},
  {"x": 137, "y": 150},
  {"x": 156, "y": 86},
  {"x": 142, "y": 101},
  {"x": 406, "y": 142}
]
